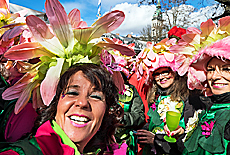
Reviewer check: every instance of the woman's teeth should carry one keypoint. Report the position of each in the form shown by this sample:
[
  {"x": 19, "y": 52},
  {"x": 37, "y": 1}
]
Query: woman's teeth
[
  {"x": 219, "y": 84},
  {"x": 79, "y": 119}
]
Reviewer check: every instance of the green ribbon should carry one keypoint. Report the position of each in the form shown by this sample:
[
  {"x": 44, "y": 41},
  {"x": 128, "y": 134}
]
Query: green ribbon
[
  {"x": 210, "y": 114},
  {"x": 132, "y": 144},
  {"x": 64, "y": 137}
]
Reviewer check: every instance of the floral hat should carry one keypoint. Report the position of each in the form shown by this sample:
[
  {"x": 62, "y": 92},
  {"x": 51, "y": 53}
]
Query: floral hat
[
  {"x": 115, "y": 62},
  {"x": 64, "y": 42},
  {"x": 219, "y": 49},
  {"x": 154, "y": 57},
  {"x": 211, "y": 41}
]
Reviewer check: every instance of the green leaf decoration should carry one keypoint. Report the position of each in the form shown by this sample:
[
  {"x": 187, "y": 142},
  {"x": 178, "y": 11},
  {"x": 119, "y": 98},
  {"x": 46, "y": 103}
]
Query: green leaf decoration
[
  {"x": 45, "y": 59},
  {"x": 44, "y": 67},
  {"x": 85, "y": 60},
  {"x": 52, "y": 64},
  {"x": 126, "y": 98},
  {"x": 39, "y": 76}
]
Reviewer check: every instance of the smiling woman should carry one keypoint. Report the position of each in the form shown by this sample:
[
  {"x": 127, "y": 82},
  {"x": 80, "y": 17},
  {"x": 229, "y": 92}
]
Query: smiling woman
[
  {"x": 218, "y": 75},
  {"x": 210, "y": 128},
  {"x": 168, "y": 92},
  {"x": 82, "y": 116}
]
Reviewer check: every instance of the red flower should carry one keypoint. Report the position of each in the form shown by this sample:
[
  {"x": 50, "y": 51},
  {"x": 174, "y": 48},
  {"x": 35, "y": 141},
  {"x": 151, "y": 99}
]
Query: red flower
[{"x": 175, "y": 31}]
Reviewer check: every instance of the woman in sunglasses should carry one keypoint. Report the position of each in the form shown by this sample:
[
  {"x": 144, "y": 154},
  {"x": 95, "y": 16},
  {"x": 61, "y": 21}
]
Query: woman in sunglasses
[{"x": 168, "y": 92}]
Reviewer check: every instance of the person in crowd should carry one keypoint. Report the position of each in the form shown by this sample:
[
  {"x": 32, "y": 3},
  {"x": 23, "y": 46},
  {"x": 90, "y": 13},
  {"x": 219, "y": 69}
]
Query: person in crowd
[
  {"x": 81, "y": 118},
  {"x": 168, "y": 92},
  {"x": 133, "y": 118},
  {"x": 208, "y": 131}
]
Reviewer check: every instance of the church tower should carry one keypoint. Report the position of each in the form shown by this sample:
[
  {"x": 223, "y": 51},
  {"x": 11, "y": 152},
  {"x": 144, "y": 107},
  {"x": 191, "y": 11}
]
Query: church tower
[{"x": 157, "y": 23}]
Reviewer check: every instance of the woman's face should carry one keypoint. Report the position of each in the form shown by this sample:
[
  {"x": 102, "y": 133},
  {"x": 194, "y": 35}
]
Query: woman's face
[
  {"x": 80, "y": 110},
  {"x": 218, "y": 76},
  {"x": 164, "y": 77}
]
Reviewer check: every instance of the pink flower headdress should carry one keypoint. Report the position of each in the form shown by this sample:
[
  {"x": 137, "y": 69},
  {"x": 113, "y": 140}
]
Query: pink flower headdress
[
  {"x": 211, "y": 41},
  {"x": 63, "y": 43},
  {"x": 116, "y": 62},
  {"x": 153, "y": 57}
]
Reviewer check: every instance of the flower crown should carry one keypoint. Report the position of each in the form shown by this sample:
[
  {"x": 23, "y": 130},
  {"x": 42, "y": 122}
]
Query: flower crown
[
  {"x": 63, "y": 43},
  {"x": 154, "y": 56},
  {"x": 199, "y": 46}
]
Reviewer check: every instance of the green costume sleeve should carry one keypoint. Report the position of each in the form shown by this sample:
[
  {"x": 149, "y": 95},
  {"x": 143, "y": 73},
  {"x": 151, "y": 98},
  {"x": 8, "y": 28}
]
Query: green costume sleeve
[
  {"x": 215, "y": 143},
  {"x": 135, "y": 116}
]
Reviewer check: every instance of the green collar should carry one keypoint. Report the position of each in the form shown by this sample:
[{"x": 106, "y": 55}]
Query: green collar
[{"x": 64, "y": 137}]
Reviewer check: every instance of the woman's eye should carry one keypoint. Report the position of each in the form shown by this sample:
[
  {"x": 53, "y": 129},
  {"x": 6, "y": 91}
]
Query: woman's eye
[
  {"x": 156, "y": 74},
  {"x": 98, "y": 97},
  {"x": 227, "y": 69},
  {"x": 73, "y": 93},
  {"x": 210, "y": 69}
]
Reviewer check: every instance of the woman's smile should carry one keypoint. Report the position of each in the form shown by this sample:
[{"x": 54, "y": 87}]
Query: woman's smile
[
  {"x": 79, "y": 120},
  {"x": 219, "y": 85},
  {"x": 218, "y": 76},
  {"x": 164, "y": 77}
]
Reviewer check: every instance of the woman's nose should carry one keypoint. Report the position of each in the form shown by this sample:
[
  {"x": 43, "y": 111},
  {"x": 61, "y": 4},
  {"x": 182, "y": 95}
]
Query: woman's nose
[
  {"x": 216, "y": 74},
  {"x": 161, "y": 76},
  {"x": 82, "y": 102}
]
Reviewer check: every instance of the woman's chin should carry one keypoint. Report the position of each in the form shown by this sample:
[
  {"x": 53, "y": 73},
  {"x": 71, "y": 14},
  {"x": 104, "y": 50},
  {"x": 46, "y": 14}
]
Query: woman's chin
[{"x": 219, "y": 91}]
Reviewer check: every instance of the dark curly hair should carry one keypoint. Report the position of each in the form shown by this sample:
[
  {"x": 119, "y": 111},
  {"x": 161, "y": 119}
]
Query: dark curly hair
[{"x": 102, "y": 80}]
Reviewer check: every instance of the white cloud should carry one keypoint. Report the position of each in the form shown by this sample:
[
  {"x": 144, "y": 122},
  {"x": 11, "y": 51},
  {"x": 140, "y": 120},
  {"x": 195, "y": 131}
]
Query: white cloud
[
  {"x": 139, "y": 17},
  {"x": 112, "y": 3},
  {"x": 135, "y": 17}
]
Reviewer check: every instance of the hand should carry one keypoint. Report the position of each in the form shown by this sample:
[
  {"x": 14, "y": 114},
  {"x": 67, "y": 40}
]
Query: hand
[
  {"x": 145, "y": 136},
  {"x": 178, "y": 131}
]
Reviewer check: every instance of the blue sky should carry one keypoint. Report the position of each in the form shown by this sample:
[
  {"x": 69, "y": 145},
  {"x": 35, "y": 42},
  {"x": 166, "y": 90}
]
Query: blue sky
[
  {"x": 88, "y": 8},
  {"x": 136, "y": 17}
]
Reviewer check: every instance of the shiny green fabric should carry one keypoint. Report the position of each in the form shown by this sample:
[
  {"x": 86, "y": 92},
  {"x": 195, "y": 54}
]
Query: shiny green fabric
[
  {"x": 215, "y": 143},
  {"x": 133, "y": 118}
]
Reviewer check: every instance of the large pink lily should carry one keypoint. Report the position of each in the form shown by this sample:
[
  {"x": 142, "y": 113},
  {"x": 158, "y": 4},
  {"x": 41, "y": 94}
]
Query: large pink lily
[
  {"x": 59, "y": 46},
  {"x": 75, "y": 19}
]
